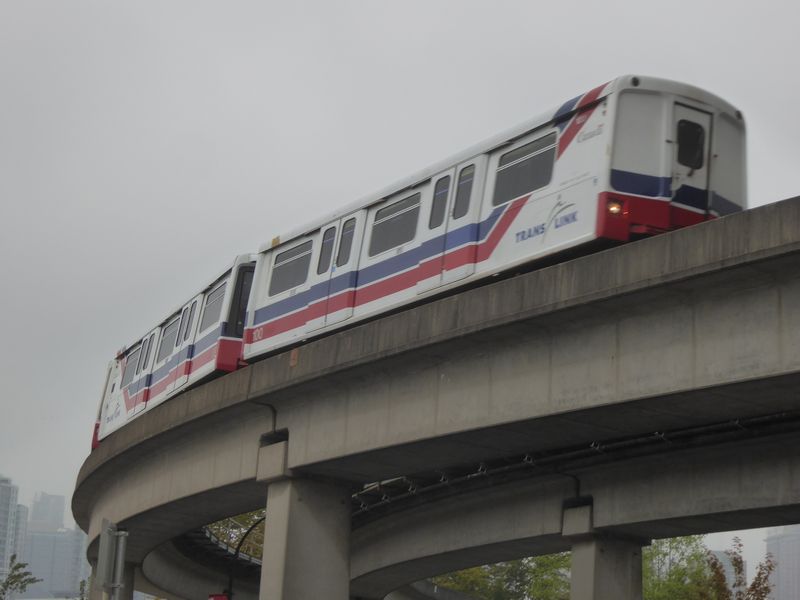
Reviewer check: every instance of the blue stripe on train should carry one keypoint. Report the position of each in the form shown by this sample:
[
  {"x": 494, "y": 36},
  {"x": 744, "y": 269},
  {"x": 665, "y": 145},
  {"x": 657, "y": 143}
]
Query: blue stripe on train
[
  {"x": 641, "y": 185},
  {"x": 190, "y": 351},
  {"x": 692, "y": 196},
  {"x": 395, "y": 264},
  {"x": 648, "y": 185}
]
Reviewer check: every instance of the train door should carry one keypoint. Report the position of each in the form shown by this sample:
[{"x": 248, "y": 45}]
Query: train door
[
  {"x": 461, "y": 239},
  {"x": 292, "y": 295},
  {"x": 690, "y": 167},
  {"x": 390, "y": 252},
  {"x": 343, "y": 272},
  {"x": 337, "y": 265},
  {"x": 184, "y": 342},
  {"x": 141, "y": 388},
  {"x": 237, "y": 312},
  {"x": 435, "y": 222}
]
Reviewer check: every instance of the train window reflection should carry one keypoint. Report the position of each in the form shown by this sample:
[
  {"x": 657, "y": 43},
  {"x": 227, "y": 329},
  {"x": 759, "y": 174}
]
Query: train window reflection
[{"x": 395, "y": 225}]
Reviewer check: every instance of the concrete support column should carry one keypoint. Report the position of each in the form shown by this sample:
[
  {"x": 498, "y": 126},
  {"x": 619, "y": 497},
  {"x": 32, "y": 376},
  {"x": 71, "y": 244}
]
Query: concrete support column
[
  {"x": 603, "y": 566},
  {"x": 95, "y": 593},
  {"x": 306, "y": 536}
]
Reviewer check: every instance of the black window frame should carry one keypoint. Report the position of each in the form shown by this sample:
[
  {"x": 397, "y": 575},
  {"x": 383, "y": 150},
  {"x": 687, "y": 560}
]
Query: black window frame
[
  {"x": 170, "y": 345},
  {"x": 146, "y": 358},
  {"x": 145, "y": 344},
  {"x": 211, "y": 297},
  {"x": 406, "y": 210},
  {"x": 464, "y": 191},
  {"x": 526, "y": 160},
  {"x": 439, "y": 202},
  {"x": 326, "y": 252},
  {"x": 188, "y": 329},
  {"x": 183, "y": 327},
  {"x": 691, "y": 151},
  {"x": 237, "y": 313},
  {"x": 131, "y": 366},
  {"x": 283, "y": 260},
  {"x": 346, "y": 242}
]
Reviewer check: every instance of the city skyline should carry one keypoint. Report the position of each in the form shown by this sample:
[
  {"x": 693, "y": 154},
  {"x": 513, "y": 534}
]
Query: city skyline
[{"x": 53, "y": 553}]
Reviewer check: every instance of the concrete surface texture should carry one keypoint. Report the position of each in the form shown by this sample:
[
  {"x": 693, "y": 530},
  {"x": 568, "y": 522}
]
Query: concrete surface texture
[{"x": 697, "y": 326}]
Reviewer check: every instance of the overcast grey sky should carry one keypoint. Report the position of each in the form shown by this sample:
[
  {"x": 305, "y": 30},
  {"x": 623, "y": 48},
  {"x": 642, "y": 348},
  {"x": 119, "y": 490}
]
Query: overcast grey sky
[{"x": 144, "y": 144}]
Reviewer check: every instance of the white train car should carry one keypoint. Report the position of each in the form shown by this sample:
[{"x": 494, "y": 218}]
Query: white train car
[
  {"x": 199, "y": 339},
  {"x": 633, "y": 157}
]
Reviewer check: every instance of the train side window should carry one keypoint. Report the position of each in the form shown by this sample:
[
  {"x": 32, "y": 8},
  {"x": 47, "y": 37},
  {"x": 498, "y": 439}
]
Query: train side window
[
  {"x": 130, "y": 367},
  {"x": 394, "y": 225},
  {"x": 346, "y": 242},
  {"x": 184, "y": 326},
  {"x": 290, "y": 268},
  {"x": 524, "y": 170},
  {"x": 188, "y": 330},
  {"x": 691, "y": 139},
  {"x": 145, "y": 348},
  {"x": 213, "y": 307},
  {"x": 463, "y": 191},
  {"x": 439, "y": 204},
  {"x": 148, "y": 351},
  {"x": 326, "y": 251},
  {"x": 168, "y": 340},
  {"x": 238, "y": 311}
]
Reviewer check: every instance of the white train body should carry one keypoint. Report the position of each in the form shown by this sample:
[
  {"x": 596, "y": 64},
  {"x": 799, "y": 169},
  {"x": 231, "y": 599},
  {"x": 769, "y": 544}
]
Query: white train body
[
  {"x": 634, "y": 157},
  {"x": 199, "y": 339}
]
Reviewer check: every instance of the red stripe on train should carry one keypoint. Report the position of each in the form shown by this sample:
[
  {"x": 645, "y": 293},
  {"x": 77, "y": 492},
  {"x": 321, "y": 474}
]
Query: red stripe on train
[{"x": 469, "y": 254}]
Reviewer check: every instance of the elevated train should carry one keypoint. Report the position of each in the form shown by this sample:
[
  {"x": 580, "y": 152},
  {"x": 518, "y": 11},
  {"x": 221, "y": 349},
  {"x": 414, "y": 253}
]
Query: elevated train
[{"x": 634, "y": 157}]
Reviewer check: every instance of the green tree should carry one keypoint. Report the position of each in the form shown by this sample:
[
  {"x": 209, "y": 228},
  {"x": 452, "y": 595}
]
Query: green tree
[
  {"x": 676, "y": 568},
  {"x": 233, "y": 529},
  {"x": 738, "y": 589},
  {"x": 17, "y": 580},
  {"x": 535, "y": 578},
  {"x": 672, "y": 569}
]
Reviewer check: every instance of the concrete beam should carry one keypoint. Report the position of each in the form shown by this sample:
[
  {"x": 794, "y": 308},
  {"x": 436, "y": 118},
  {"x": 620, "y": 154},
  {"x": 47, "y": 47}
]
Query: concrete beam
[
  {"x": 720, "y": 488},
  {"x": 687, "y": 328},
  {"x": 186, "y": 579}
]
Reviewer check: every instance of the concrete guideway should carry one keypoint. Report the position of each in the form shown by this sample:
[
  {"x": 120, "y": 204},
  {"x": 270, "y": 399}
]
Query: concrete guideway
[{"x": 687, "y": 328}]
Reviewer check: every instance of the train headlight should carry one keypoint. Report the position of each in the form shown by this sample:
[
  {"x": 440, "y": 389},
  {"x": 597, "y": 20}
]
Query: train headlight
[{"x": 615, "y": 207}]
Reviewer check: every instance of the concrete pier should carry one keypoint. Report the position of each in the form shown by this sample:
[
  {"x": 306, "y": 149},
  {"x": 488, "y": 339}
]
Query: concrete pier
[{"x": 306, "y": 541}]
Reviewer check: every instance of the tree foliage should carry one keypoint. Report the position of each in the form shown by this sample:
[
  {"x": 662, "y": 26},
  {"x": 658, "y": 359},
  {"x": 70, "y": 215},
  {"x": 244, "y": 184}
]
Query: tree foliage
[
  {"x": 233, "y": 529},
  {"x": 535, "y": 578},
  {"x": 675, "y": 568},
  {"x": 721, "y": 589},
  {"x": 672, "y": 569},
  {"x": 17, "y": 580}
]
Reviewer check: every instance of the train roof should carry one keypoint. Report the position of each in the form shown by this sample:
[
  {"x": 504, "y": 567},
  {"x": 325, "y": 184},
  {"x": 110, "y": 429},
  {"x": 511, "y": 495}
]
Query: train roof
[{"x": 556, "y": 115}]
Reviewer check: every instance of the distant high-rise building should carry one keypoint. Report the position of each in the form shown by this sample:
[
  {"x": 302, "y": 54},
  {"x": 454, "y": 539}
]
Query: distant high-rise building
[
  {"x": 8, "y": 522},
  {"x": 47, "y": 513},
  {"x": 59, "y": 560},
  {"x": 784, "y": 545},
  {"x": 20, "y": 530}
]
